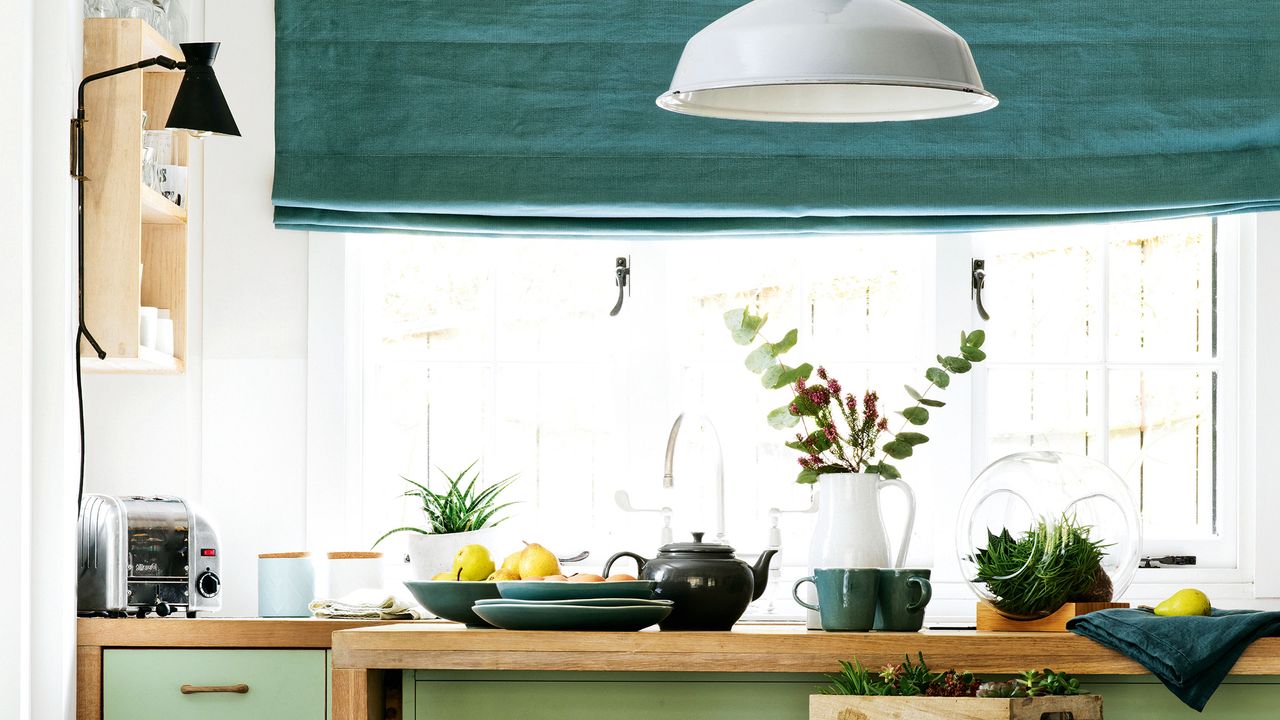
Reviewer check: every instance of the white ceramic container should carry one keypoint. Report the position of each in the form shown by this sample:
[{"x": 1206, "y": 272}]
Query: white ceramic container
[
  {"x": 850, "y": 532},
  {"x": 431, "y": 554}
]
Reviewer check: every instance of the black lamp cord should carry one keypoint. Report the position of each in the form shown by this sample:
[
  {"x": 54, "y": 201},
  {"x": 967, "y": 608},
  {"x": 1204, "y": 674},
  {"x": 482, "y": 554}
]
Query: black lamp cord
[{"x": 77, "y": 172}]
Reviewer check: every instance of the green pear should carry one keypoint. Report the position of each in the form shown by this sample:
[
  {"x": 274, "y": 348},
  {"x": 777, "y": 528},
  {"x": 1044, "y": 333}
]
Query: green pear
[
  {"x": 1185, "y": 602},
  {"x": 472, "y": 563}
]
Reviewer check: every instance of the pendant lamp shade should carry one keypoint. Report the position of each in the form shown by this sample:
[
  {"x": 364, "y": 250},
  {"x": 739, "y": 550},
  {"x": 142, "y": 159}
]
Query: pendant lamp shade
[
  {"x": 826, "y": 61},
  {"x": 200, "y": 107}
]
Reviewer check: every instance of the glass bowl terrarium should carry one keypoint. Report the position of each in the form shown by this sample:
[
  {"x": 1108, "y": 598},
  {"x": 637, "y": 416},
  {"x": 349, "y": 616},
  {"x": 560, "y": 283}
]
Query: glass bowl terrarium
[{"x": 1037, "y": 530}]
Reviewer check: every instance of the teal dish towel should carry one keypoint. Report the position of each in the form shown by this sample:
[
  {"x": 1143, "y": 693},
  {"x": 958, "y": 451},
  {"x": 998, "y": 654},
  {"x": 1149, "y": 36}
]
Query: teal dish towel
[{"x": 1190, "y": 655}]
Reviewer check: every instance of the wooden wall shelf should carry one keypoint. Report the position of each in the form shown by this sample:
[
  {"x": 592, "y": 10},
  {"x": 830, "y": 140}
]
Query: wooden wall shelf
[
  {"x": 135, "y": 238},
  {"x": 160, "y": 210}
]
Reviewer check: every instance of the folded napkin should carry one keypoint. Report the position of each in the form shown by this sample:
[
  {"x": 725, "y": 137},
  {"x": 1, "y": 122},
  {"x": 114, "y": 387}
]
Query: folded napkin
[
  {"x": 365, "y": 605},
  {"x": 1190, "y": 655}
]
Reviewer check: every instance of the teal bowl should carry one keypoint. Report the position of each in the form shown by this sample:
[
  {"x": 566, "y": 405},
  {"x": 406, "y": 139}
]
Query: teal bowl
[{"x": 452, "y": 599}]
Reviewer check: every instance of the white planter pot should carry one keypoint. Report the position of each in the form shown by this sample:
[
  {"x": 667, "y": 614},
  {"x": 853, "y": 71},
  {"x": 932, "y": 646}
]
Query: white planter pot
[
  {"x": 850, "y": 532},
  {"x": 432, "y": 554}
]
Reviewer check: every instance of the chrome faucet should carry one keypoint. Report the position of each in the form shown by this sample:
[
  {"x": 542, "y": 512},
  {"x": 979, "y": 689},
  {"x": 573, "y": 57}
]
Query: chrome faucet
[{"x": 668, "y": 479}]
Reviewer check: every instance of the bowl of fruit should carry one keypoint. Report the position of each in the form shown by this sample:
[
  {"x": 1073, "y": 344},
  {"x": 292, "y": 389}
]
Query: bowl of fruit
[{"x": 450, "y": 594}]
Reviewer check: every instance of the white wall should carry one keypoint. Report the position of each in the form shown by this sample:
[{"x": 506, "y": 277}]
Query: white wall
[
  {"x": 230, "y": 433},
  {"x": 15, "y": 362},
  {"x": 37, "y": 516}
]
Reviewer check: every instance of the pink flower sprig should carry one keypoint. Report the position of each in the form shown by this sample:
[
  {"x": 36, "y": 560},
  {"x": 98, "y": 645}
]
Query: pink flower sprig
[{"x": 844, "y": 434}]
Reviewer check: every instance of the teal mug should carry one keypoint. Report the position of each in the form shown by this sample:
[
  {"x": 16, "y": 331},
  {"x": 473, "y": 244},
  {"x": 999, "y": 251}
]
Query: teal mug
[
  {"x": 903, "y": 594},
  {"x": 846, "y": 597}
]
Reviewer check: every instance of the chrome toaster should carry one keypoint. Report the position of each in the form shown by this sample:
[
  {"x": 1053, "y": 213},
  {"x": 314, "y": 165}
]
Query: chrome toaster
[{"x": 144, "y": 554}]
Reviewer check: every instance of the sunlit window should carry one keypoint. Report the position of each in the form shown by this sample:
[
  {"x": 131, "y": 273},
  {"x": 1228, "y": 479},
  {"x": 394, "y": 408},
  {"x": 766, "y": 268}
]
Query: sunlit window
[{"x": 1106, "y": 341}]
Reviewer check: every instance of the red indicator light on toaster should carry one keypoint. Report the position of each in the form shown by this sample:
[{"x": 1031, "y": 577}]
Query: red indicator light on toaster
[{"x": 208, "y": 552}]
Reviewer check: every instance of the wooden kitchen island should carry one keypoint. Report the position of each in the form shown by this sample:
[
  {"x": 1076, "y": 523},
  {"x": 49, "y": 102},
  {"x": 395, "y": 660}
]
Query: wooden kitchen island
[{"x": 764, "y": 671}]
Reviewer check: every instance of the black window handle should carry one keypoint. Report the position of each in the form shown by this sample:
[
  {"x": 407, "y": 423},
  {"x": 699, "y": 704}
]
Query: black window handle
[
  {"x": 622, "y": 274},
  {"x": 978, "y": 274}
]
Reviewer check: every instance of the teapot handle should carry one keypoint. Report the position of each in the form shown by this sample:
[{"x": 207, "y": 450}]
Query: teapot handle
[
  {"x": 640, "y": 562},
  {"x": 911, "y": 517}
]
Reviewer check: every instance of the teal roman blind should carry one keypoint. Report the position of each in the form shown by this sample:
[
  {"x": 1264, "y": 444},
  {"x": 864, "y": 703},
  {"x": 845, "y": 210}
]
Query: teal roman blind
[{"x": 537, "y": 117}]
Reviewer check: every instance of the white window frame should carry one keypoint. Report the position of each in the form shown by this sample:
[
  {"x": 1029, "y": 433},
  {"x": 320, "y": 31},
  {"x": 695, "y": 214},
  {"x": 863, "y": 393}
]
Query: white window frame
[
  {"x": 1221, "y": 551},
  {"x": 335, "y": 428}
]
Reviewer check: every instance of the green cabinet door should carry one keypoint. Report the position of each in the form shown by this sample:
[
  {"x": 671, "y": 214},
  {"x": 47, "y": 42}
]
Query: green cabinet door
[{"x": 282, "y": 684}]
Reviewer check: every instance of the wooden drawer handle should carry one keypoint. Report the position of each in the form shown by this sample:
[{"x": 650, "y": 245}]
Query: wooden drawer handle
[{"x": 192, "y": 689}]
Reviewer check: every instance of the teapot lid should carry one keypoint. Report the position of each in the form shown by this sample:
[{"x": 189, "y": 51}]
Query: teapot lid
[{"x": 697, "y": 546}]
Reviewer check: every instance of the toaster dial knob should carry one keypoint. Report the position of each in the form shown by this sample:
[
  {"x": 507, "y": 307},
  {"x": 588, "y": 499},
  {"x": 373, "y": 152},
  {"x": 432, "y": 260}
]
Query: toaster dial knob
[{"x": 208, "y": 584}]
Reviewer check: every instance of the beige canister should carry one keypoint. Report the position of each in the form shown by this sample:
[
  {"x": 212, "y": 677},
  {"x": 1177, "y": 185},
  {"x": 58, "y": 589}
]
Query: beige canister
[{"x": 351, "y": 571}]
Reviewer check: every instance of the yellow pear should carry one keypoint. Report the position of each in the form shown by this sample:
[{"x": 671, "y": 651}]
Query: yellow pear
[
  {"x": 512, "y": 563},
  {"x": 537, "y": 561},
  {"x": 503, "y": 574},
  {"x": 1185, "y": 602},
  {"x": 472, "y": 563},
  {"x": 444, "y": 576}
]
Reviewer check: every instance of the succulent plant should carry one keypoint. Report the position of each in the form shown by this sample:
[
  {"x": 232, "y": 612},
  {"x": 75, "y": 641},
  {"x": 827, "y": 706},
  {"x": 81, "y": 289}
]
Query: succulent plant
[
  {"x": 909, "y": 678},
  {"x": 1052, "y": 563}
]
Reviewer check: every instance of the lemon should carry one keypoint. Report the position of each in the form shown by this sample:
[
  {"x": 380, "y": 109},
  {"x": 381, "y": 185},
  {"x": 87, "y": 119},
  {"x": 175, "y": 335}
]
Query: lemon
[{"x": 1185, "y": 602}]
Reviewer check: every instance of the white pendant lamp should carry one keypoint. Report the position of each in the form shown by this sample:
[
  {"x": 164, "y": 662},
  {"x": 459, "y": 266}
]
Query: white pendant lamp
[{"x": 826, "y": 61}]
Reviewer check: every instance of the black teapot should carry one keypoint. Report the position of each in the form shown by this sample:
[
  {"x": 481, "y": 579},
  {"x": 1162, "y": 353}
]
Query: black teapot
[{"x": 709, "y": 586}]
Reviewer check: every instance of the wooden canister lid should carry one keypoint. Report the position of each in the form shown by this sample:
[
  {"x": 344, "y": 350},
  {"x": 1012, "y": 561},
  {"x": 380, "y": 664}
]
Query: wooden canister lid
[
  {"x": 266, "y": 556},
  {"x": 354, "y": 555}
]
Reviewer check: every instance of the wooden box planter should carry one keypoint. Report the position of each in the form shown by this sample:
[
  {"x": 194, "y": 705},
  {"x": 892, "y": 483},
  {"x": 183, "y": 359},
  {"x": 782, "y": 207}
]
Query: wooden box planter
[{"x": 858, "y": 707}]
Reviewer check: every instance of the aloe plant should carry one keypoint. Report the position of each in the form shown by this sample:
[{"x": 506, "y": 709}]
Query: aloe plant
[{"x": 462, "y": 507}]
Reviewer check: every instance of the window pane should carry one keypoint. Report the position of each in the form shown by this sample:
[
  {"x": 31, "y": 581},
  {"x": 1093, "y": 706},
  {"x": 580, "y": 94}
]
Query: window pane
[
  {"x": 1161, "y": 291},
  {"x": 1044, "y": 409},
  {"x": 851, "y": 298},
  {"x": 428, "y": 309},
  {"x": 1163, "y": 442},
  {"x": 419, "y": 418},
  {"x": 1043, "y": 293}
]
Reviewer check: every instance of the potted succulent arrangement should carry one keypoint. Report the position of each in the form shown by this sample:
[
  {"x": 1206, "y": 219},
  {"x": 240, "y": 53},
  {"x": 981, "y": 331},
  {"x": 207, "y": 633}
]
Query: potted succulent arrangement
[
  {"x": 1052, "y": 563},
  {"x": 466, "y": 513},
  {"x": 911, "y": 689},
  {"x": 845, "y": 442}
]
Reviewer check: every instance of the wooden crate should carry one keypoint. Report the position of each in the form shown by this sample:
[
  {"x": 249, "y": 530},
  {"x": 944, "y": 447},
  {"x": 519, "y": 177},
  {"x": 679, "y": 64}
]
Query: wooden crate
[
  {"x": 989, "y": 619},
  {"x": 854, "y": 707}
]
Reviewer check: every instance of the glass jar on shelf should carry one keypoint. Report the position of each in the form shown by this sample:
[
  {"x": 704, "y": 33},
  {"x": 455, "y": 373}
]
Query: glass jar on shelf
[{"x": 100, "y": 8}]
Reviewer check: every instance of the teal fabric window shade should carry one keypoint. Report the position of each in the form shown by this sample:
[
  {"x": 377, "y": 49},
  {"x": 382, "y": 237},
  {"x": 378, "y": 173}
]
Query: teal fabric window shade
[{"x": 538, "y": 117}]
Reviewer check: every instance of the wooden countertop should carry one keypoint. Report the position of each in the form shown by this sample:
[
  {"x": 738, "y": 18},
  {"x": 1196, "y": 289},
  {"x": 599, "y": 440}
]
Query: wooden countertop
[
  {"x": 748, "y": 648},
  {"x": 174, "y": 632}
]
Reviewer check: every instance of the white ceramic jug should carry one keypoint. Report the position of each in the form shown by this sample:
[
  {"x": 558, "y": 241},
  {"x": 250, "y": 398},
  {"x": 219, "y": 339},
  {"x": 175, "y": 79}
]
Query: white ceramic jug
[{"x": 850, "y": 531}]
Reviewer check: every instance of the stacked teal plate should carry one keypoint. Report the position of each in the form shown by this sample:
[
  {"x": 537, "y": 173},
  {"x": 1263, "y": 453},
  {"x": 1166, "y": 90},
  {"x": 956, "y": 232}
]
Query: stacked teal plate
[
  {"x": 537, "y": 605},
  {"x": 541, "y": 590},
  {"x": 602, "y": 614}
]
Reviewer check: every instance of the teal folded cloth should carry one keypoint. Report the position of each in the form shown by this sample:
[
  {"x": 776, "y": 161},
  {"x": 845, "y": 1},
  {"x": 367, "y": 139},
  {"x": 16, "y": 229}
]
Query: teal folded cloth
[{"x": 1190, "y": 655}]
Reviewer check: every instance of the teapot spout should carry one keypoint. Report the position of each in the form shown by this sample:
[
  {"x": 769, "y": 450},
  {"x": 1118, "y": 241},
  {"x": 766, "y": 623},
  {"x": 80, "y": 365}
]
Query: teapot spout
[{"x": 760, "y": 571}]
